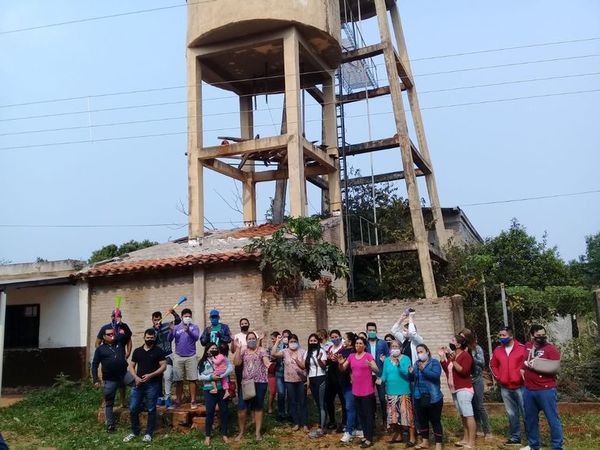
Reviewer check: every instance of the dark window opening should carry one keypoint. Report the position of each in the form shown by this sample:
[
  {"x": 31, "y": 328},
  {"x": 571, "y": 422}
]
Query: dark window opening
[{"x": 22, "y": 326}]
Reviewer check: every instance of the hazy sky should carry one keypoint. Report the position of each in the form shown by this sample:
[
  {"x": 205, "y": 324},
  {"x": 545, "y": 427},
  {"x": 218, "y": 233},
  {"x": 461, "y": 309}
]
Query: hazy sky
[{"x": 482, "y": 152}]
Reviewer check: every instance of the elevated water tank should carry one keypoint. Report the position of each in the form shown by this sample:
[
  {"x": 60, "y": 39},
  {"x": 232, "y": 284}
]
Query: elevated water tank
[{"x": 219, "y": 21}]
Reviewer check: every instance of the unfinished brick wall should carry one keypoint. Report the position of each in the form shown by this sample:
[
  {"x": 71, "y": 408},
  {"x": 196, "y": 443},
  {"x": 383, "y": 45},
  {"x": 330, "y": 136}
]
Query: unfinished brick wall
[{"x": 142, "y": 295}]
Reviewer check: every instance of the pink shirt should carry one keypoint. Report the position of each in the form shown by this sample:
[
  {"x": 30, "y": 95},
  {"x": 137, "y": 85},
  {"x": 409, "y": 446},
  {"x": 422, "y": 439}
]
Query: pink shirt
[
  {"x": 362, "y": 381},
  {"x": 291, "y": 371},
  {"x": 219, "y": 364},
  {"x": 254, "y": 367}
]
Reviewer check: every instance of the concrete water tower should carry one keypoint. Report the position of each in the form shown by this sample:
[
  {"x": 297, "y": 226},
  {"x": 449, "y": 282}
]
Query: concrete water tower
[{"x": 256, "y": 47}]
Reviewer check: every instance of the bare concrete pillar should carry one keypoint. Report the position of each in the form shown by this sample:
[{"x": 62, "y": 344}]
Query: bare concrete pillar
[
  {"x": 249, "y": 186},
  {"x": 199, "y": 299},
  {"x": 414, "y": 200},
  {"x": 280, "y": 185},
  {"x": 413, "y": 100},
  {"x": 195, "y": 167},
  {"x": 293, "y": 107}
]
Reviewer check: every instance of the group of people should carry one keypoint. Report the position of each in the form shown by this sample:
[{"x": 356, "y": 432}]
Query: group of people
[{"x": 397, "y": 379}]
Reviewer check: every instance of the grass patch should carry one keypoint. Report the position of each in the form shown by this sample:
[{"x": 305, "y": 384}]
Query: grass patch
[{"x": 64, "y": 417}]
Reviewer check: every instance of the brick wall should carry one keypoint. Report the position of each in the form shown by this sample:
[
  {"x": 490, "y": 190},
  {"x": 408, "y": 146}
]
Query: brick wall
[{"x": 142, "y": 295}]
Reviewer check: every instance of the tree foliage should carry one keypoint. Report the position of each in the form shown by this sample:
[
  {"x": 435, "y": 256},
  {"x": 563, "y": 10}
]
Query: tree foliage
[
  {"x": 112, "y": 251},
  {"x": 297, "y": 251}
]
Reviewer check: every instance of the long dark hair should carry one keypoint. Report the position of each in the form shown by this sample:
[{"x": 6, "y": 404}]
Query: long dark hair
[
  {"x": 206, "y": 354},
  {"x": 309, "y": 353}
]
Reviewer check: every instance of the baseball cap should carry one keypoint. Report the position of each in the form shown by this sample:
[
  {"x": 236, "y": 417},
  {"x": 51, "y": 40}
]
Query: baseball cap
[{"x": 214, "y": 313}]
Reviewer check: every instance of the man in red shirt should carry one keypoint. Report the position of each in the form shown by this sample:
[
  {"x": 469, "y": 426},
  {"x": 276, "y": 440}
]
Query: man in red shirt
[
  {"x": 506, "y": 364},
  {"x": 540, "y": 392}
]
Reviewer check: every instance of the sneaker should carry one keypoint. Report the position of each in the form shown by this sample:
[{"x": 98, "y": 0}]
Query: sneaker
[
  {"x": 527, "y": 447},
  {"x": 130, "y": 437},
  {"x": 111, "y": 429},
  {"x": 160, "y": 401},
  {"x": 168, "y": 403},
  {"x": 512, "y": 442},
  {"x": 316, "y": 434},
  {"x": 358, "y": 433},
  {"x": 194, "y": 405},
  {"x": 346, "y": 437},
  {"x": 147, "y": 438},
  {"x": 366, "y": 444}
]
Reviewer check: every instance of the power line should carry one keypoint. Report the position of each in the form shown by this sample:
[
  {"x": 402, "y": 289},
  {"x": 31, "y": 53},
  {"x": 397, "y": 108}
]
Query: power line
[
  {"x": 46, "y": 130},
  {"x": 501, "y": 49},
  {"x": 166, "y": 88},
  {"x": 108, "y": 16},
  {"x": 308, "y": 121},
  {"x": 524, "y": 199},
  {"x": 144, "y": 225}
]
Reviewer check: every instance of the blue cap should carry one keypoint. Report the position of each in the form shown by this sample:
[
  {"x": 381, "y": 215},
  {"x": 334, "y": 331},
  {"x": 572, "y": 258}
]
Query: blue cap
[{"x": 214, "y": 313}]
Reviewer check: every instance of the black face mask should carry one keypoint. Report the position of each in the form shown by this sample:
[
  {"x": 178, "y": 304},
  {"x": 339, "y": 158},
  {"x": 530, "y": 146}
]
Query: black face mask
[
  {"x": 540, "y": 340},
  {"x": 149, "y": 342},
  {"x": 214, "y": 352},
  {"x": 313, "y": 346},
  {"x": 245, "y": 328},
  {"x": 452, "y": 346}
]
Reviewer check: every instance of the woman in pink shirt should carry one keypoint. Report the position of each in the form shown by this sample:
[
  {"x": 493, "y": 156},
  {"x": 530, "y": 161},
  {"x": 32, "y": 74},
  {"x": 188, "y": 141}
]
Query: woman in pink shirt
[{"x": 362, "y": 365}]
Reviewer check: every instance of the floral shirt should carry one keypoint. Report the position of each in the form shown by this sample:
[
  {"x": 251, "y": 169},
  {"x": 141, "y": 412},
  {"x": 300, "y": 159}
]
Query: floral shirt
[
  {"x": 292, "y": 373},
  {"x": 254, "y": 368}
]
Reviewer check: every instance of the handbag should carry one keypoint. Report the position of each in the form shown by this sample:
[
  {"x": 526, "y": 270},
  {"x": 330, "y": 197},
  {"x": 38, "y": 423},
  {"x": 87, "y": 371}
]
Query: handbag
[
  {"x": 543, "y": 365},
  {"x": 248, "y": 389}
]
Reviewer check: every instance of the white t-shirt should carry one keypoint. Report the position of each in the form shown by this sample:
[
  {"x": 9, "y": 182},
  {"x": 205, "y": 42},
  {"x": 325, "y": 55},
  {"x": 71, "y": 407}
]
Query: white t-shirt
[
  {"x": 241, "y": 337},
  {"x": 508, "y": 349},
  {"x": 315, "y": 369}
]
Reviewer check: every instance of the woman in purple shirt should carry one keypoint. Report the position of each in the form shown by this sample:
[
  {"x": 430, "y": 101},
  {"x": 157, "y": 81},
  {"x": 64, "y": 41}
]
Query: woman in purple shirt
[{"x": 255, "y": 361}]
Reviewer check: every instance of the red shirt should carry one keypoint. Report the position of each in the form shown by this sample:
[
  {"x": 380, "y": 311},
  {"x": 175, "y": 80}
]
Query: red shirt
[
  {"x": 507, "y": 368},
  {"x": 536, "y": 381},
  {"x": 461, "y": 379}
]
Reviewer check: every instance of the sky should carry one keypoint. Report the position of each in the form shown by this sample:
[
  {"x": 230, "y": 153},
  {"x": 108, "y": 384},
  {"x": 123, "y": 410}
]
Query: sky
[{"x": 88, "y": 182}]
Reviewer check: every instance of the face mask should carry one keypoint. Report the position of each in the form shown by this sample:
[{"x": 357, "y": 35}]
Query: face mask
[
  {"x": 187, "y": 320},
  {"x": 284, "y": 341},
  {"x": 423, "y": 357},
  {"x": 505, "y": 340},
  {"x": 251, "y": 344},
  {"x": 313, "y": 346},
  {"x": 294, "y": 346},
  {"x": 452, "y": 346},
  {"x": 245, "y": 328},
  {"x": 372, "y": 334},
  {"x": 214, "y": 352},
  {"x": 395, "y": 352},
  {"x": 149, "y": 342},
  {"x": 540, "y": 340},
  {"x": 214, "y": 321},
  {"x": 336, "y": 341}
]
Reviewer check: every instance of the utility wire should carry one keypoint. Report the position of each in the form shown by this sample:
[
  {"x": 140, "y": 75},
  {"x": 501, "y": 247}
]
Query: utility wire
[
  {"x": 314, "y": 120},
  {"x": 503, "y": 83},
  {"x": 108, "y": 16},
  {"x": 165, "y": 88},
  {"x": 495, "y": 202}
]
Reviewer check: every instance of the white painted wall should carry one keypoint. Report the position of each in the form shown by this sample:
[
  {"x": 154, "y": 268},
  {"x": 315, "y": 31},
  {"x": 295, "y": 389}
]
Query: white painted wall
[{"x": 63, "y": 316}]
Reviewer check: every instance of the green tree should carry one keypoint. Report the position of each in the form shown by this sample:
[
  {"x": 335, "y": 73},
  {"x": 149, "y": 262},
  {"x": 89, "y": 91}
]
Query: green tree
[
  {"x": 112, "y": 251},
  {"x": 587, "y": 268},
  {"x": 297, "y": 251}
]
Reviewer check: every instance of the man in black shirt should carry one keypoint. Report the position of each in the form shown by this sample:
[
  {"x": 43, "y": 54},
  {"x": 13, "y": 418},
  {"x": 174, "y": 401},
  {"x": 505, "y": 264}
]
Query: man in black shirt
[
  {"x": 147, "y": 368},
  {"x": 111, "y": 356},
  {"x": 122, "y": 337}
]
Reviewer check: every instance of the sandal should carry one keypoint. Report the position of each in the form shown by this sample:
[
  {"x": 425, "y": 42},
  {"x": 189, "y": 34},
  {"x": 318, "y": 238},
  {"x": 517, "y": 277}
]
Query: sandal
[{"x": 421, "y": 447}]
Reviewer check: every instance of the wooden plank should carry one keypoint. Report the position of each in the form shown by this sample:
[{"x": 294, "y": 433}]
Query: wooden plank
[
  {"x": 317, "y": 94},
  {"x": 394, "y": 247},
  {"x": 252, "y": 146},
  {"x": 381, "y": 178},
  {"x": 282, "y": 174},
  {"x": 371, "y": 146},
  {"x": 362, "y": 95},
  {"x": 363, "y": 52},
  {"x": 232, "y": 138},
  {"x": 226, "y": 169},
  {"x": 320, "y": 156}
]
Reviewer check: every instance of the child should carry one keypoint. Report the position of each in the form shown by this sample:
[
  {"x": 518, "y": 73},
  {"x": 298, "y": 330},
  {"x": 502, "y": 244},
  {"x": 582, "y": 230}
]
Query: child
[{"x": 219, "y": 363}]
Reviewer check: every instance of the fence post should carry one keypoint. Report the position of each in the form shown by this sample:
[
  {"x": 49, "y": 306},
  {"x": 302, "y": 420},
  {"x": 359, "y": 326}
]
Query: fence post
[{"x": 504, "y": 308}]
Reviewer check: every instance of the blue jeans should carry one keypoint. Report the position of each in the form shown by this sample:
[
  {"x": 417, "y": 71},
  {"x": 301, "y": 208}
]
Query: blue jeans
[
  {"x": 352, "y": 422},
  {"x": 211, "y": 401},
  {"x": 281, "y": 410},
  {"x": 382, "y": 401},
  {"x": 109, "y": 390},
  {"x": 146, "y": 393},
  {"x": 297, "y": 395},
  {"x": 513, "y": 403},
  {"x": 542, "y": 400}
]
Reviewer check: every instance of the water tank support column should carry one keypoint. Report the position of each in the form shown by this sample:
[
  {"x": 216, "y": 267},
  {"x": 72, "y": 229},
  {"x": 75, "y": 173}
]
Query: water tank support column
[{"x": 194, "y": 145}]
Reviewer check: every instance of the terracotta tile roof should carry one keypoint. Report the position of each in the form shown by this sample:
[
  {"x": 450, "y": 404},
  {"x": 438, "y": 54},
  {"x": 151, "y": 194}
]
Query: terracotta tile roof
[
  {"x": 125, "y": 267},
  {"x": 249, "y": 232}
]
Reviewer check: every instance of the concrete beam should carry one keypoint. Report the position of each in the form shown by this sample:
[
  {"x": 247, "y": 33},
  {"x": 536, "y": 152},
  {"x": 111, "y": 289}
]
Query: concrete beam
[
  {"x": 260, "y": 145},
  {"x": 395, "y": 247},
  {"x": 320, "y": 156},
  {"x": 381, "y": 178},
  {"x": 226, "y": 169},
  {"x": 362, "y": 95},
  {"x": 363, "y": 53}
]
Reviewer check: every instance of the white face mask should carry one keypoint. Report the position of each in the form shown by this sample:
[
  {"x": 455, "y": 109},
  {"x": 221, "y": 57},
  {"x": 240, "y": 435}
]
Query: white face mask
[
  {"x": 187, "y": 320},
  {"x": 395, "y": 352},
  {"x": 423, "y": 357},
  {"x": 293, "y": 345}
]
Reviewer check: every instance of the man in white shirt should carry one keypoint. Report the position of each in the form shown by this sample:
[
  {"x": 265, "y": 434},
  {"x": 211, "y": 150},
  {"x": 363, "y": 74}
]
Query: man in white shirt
[{"x": 406, "y": 334}]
